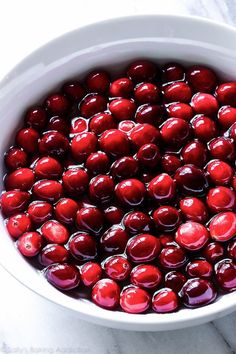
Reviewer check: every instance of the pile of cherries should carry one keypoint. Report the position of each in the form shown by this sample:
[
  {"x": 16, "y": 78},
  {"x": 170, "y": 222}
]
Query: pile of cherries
[{"x": 126, "y": 187}]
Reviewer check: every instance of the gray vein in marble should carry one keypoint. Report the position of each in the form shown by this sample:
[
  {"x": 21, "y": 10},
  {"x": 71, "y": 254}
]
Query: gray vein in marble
[{"x": 222, "y": 336}]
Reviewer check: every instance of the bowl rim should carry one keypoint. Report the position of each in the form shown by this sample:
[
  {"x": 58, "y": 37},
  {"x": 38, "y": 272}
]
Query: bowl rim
[{"x": 105, "y": 317}]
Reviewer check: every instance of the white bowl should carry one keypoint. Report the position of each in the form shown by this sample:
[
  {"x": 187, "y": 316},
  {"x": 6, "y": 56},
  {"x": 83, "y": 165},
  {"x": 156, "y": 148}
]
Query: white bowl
[{"x": 111, "y": 44}]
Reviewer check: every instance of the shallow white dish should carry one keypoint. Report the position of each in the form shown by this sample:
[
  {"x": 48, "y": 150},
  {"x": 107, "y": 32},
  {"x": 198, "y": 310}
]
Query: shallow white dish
[{"x": 111, "y": 44}]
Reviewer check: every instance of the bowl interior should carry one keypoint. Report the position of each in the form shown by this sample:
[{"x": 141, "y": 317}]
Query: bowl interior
[{"x": 110, "y": 45}]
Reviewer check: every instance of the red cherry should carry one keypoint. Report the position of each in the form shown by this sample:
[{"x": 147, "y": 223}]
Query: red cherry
[
  {"x": 27, "y": 139},
  {"x": 191, "y": 180},
  {"x": 194, "y": 153},
  {"x": 134, "y": 300},
  {"x": 149, "y": 155},
  {"x": 170, "y": 163},
  {"x": 55, "y": 232},
  {"x": 231, "y": 249},
  {"x": 172, "y": 72},
  {"x": 65, "y": 210},
  {"x": 165, "y": 300},
  {"x": 63, "y": 276},
  {"x": 199, "y": 268},
  {"x": 166, "y": 218},
  {"x": 226, "y": 116},
  {"x": 90, "y": 273},
  {"x": 172, "y": 257},
  {"x": 144, "y": 134},
  {"x": 48, "y": 168},
  {"x": 40, "y": 211},
  {"x": 57, "y": 104},
  {"x": 122, "y": 87},
  {"x": 78, "y": 125},
  {"x": 75, "y": 180},
  {"x": 197, "y": 292},
  {"x": 143, "y": 248},
  {"x": 101, "y": 188},
  {"x": 53, "y": 254},
  {"x": 14, "y": 201},
  {"x": 219, "y": 172},
  {"x": 98, "y": 163},
  {"x": 126, "y": 126},
  {"x": 48, "y": 190},
  {"x": 213, "y": 252},
  {"x": 201, "y": 78},
  {"x": 226, "y": 274},
  {"x": 106, "y": 294},
  {"x": 90, "y": 219},
  {"x": 194, "y": 209},
  {"x": 113, "y": 215},
  {"x": 114, "y": 143},
  {"x": 146, "y": 276},
  {"x": 222, "y": 148},
  {"x": 22, "y": 179},
  {"x": 15, "y": 158},
  {"x": 117, "y": 268},
  {"x": 83, "y": 145},
  {"x": 223, "y": 226},
  {"x": 150, "y": 113},
  {"x": 36, "y": 118},
  {"x": 175, "y": 280},
  {"x": 53, "y": 144},
  {"x": 177, "y": 92},
  {"x": 166, "y": 240},
  {"x": 192, "y": 236},
  {"x": 114, "y": 240},
  {"x": 180, "y": 110},
  {"x": 175, "y": 132},
  {"x": 204, "y": 103},
  {"x": 162, "y": 188},
  {"x": 74, "y": 90},
  {"x": 29, "y": 244},
  {"x": 142, "y": 70},
  {"x": 101, "y": 122},
  {"x": 204, "y": 128},
  {"x": 122, "y": 108},
  {"x": 18, "y": 224},
  {"x": 221, "y": 199},
  {"x": 98, "y": 81},
  {"x": 226, "y": 93},
  {"x": 124, "y": 167},
  {"x": 91, "y": 104},
  {"x": 137, "y": 222},
  {"x": 147, "y": 93},
  {"x": 130, "y": 192},
  {"x": 59, "y": 124},
  {"x": 83, "y": 247}
]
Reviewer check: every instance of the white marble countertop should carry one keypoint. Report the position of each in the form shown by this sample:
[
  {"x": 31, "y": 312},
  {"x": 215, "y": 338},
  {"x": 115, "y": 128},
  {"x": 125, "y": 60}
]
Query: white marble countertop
[{"x": 29, "y": 324}]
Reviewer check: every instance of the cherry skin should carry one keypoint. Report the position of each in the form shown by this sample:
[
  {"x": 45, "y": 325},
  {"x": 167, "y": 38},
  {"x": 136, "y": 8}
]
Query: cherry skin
[
  {"x": 122, "y": 87},
  {"x": 204, "y": 103},
  {"x": 114, "y": 240},
  {"x": 36, "y": 118},
  {"x": 225, "y": 93},
  {"x": 194, "y": 209},
  {"x": 165, "y": 301},
  {"x": 222, "y": 148},
  {"x": 27, "y": 139},
  {"x": 231, "y": 250},
  {"x": 150, "y": 113},
  {"x": 144, "y": 134},
  {"x": 98, "y": 81},
  {"x": 192, "y": 236},
  {"x": 124, "y": 167},
  {"x": 30, "y": 244},
  {"x": 142, "y": 70},
  {"x": 220, "y": 172},
  {"x": 57, "y": 104},
  {"x": 63, "y": 276},
  {"x": 213, "y": 252},
  {"x": 199, "y": 268},
  {"x": 106, "y": 294},
  {"x": 197, "y": 292},
  {"x": 172, "y": 257},
  {"x": 65, "y": 210},
  {"x": 14, "y": 201},
  {"x": 143, "y": 248},
  {"x": 83, "y": 145},
  {"x": 54, "y": 232},
  {"x": 137, "y": 222},
  {"x": 170, "y": 163},
  {"x": 53, "y": 144},
  {"x": 101, "y": 122},
  {"x": 134, "y": 300},
  {"x": 98, "y": 163},
  {"x": 166, "y": 240},
  {"x": 147, "y": 93},
  {"x": 223, "y": 226},
  {"x": 115, "y": 143},
  {"x": 15, "y": 158},
  {"x": 191, "y": 180},
  {"x": 201, "y": 78},
  {"x": 166, "y": 218},
  {"x": 90, "y": 219},
  {"x": 130, "y": 192},
  {"x": 175, "y": 280},
  {"x": 149, "y": 155},
  {"x": 90, "y": 273},
  {"x": 226, "y": 116},
  {"x": 122, "y": 108},
  {"x": 194, "y": 153},
  {"x": 175, "y": 132},
  {"x": 221, "y": 199},
  {"x": 78, "y": 125},
  {"x": 59, "y": 124},
  {"x": 204, "y": 128},
  {"x": 48, "y": 190},
  {"x": 22, "y": 179},
  {"x": 74, "y": 90},
  {"x": 47, "y": 168},
  {"x": 83, "y": 247},
  {"x": 117, "y": 268},
  {"x": 126, "y": 126},
  {"x": 162, "y": 188},
  {"x": 180, "y": 110},
  {"x": 146, "y": 276},
  {"x": 18, "y": 224},
  {"x": 40, "y": 211},
  {"x": 226, "y": 274},
  {"x": 75, "y": 180},
  {"x": 91, "y": 104},
  {"x": 172, "y": 72},
  {"x": 113, "y": 215},
  {"x": 53, "y": 253},
  {"x": 101, "y": 188},
  {"x": 177, "y": 91}
]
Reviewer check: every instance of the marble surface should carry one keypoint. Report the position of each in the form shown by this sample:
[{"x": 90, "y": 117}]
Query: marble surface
[{"x": 29, "y": 324}]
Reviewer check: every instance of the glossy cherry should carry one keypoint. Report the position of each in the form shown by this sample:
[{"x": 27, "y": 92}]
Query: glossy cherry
[
  {"x": 226, "y": 116},
  {"x": 213, "y": 252},
  {"x": 101, "y": 188},
  {"x": 74, "y": 90},
  {"x": 91, "y": 104},
  {"x": 83, "y": 246},
  {"x": 115, "y": 143},
  {"x": 195, "y": 152},
  {"x": 36, "y": 118},
  {"x": 75, "y": 180},
  {"x": 122, "y": 108},
  {"x": 199, "y": 268},
  {"x": 204, "y": 103},
  {"x": 180, "y": 110},
  {"x": 223, "y": 226},
  {"x": 30, "y": 244},
  {"x": 114, "y": 240},
  {"x": 192, "y": 236},
  {"x": 146, "y": 276},
  {"x": 113, "y": 214},
  {"x": 101, "y": 122},
  {"x": 137, "y": 222},
  {"x": 226, "y": 93},
  {"x": 48, "y": 168},
  {"x": 122, "y": 87},
  {"x": 231, "y": 249},
  {"x": 18, "y": 224},
  {"x": 83, "y": 145},
  {"x": 57, "y": 104},
  {"x": 130, "y": 192},
  {"x": 164, "y": 301},
  {"x": 175, "y": 280},
  {"x": 220, "y": 172},
  {"x": 170, "y": 163},
  {"x": 15, "y": 158},
  {"x": 98, "y": 163},
  {"x": 48, "y": 190},
  {"x": 65, "y": 210},
  {"x": 53, "y": 253},
  {"x": 54, "y": 232},
  {"x": 143, "y": 248},
  {"x": 172, "y": 257},
  {"x": 162, "y": 188},
  {"x": 22, "y": 179},
  {"x": 106, "y": 294},
  {"x": 125, "y": 167},
  {"x": 134, "y": 300},
  {"x": 27, "y": 139},
  {"x": 40, "y": 211},
  {"x": 191, "y": 180},
  {"x": 54, "y": 144},
  {"x": 221, "y": 199},
  {"x": 177, "y": 91},
  {"x": 14, "y": 201},
  {"x": 149, "y": 155},
  {"x": 98, "y": 81},
  {"x": 150, "y": 113},
  {"x": 117, "y": 268},
  {"x": 197, "y": 292},
  {"x": 63, "y": 276},
  {"x": 166, "y": 218},
  {"x": 142, "y": 70},
  {"x": 90, "y": 273},
  {"x": 222, "y": 148},
  {"x": 147, "y": 93},
  {"x": 201, "y": 78},
  {"x": 204, "y": 128},
  {"x": 175, "y": 132},
  {"x": 90, "y": 219},
  {"x": 144, "y": 134},
  {"x": 194, "y": 209},
  {"x": 226, "y": 274},
  {"x": 172, "y": 72}
]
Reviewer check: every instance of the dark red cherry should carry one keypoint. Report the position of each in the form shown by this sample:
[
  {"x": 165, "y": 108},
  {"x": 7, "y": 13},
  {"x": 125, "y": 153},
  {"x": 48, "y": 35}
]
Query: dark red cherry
[
  {"x": 222, "y": 148},
  {"x": 83, "y": 247},
  {"x": 144, "y": 134},
  {"x": 226, "y": 93},
  {"x": 98, "y": 163},
  {"x": 115, "y": 143},
  {"x": 146, "y": 276},
  {"x": 59, "y": 124},
  {"x": 113, "y": 214},
  {"x": 149, "y": 155},
  {"x": 197, "y": 292},
  {"x": 15, "y": 158},
  {"x": 170, "y": 163},
  {"x": 204, "y": 128},
  {"x": 47, "y": 168},
  {"x": 194, "y": 209},
  {"x": 30, "y": 244},
  {"x": 201, "y": 78},
  {"x": 83, "y": 145},
  {"x": 98, "y": 81},
  {"x": 90, "y": 219},
  {"x": 122, "y": 87},
  {"x": 213, "y": 252},
  {"x": 231, "y": 249},
  {"x": 166, "y": 218},
  {"x": 75, "y": 180},
  {"x": 130, "y": 192},
  {"x": 226, "y": 274},
  {"x": 36, "y": 118},
  {"x": 27, "y": 139},
  {"x": 220, "y": 172},
  {"x": 40, "y": 211},
  {"x": 134, "y": 300},
  {"x": 199, "y": 268},
  {"x": 57, "y": 104},
  {"x": 180, "y": 110},
  {"x": 223, "y": 226},
  {"x": 74, "y": 90},
  {"x": 91, "y": 104},
  {"x": 221, "y": 199},
  {"x": 101, "y": 188},
  {"x": 117, "y": 268},
  {"x": 175, "y": 280},
  {"x": 106, "y": 294},
  {"x": 165, "y": 301},
  {"x": 194, "y": 153},
  {"x": 22, "y": 179},
  {"x": 150, "y": 113},
  {"x": 54, "y": 232},
  {"x": 14, "y": 201},
  {"x": 175, "y": 132},
  {"x": 162, "y": 188},
  {"x": 136, "y": 222},
  {"x": 78, "y": 125},
  {"x": 125, "y": 167},
  {"x": 143, "y": 248},
  {"x": 114, "y": 240},
  {"x": 53, "y": 253},
  {"x": 147, "y": 93},
  {"x": 192, "y": 236},
  {"x": 126, "y": 126},
  {"x": 122, "y": 108},
  {"x": 142, "y": 70},
  {"x": 90, "y": 273},
  {"x": 172, "y": 72},
  {"x": 53, "y": 144},
  {"x": 48, "y": 190},
  {"x": 177, "y": 91},
  {"x": 204, "y": 103},
  {"x": 65, "y": 210},
  {"x": 101, "y": 122},
  {"x": 63, "y": 276},
  {"x": 172, "y": 257},
  {"x": 191, "y": 180},
  {"x": 18, "y": 224},
  {"x": 226, "y": 116}
]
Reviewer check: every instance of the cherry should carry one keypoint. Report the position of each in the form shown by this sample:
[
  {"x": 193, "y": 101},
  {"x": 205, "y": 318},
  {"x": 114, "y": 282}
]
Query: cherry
[
  {"x": 75, "y": 180},
  {"x": 194, "y": 153},
  {"x": 226, "y": 274},
  {"x": 122, "y": 87},
  {"x": 14, "y": 201},
  {"x": 53, "y": 144},
  {"x": 220, "y": 172},
  {"x": 101, "y": 122},
  {"x": 170, "y": 163},
  {"x": 144, "y": 134},
  {"x": 204, "y": 103},
  {"x": 106, "y": 294},
  {"x": 231, "y": 249},
  {"x": 223, "y": 226},
  {"x": 74, "y": 90},
  {"x": 213, "y": 252},
  {"x": 83, "y": 247},
  {"x": 166, "y": 218},
  {"x": 197, "y": 292},
  {"x": 15, "y": 158},
  {"x": 36, "y": 118},
  {"x": 122, "y": 108},
  {"x": 18, "y": 224},
  {"x": 191, "y": 180},
  {"x": 63, "y": 276},
  {"x": 78, "y": 125},
  {"x": 65, "y": 210},
  {"x": 130, "y": 192},
  {"x": 226, "y": 116},
  {"x": 125, "y": 167},
  {"x": 90, "y": 219},
  {"x": 57, "y": 104},
  {"x": 59, "y": 124},
  {"x": 90, "y": 273},
  {"x": 48, "y": 190},
  {"x": 147, "y": 93},
  {"x": 180, "y": 110},
  {"x": 222, "y": 148},
  {"x": 172, "y": 257},
  {"x": 98, "y": 162},
  {"x": 53, "y": 254},
  {"x": 137, "y": 222},
  {"x": 149, "y": 155},
  {"x": 27, "y": 139},
  {"x": 166, "y": 240},
  {"x": 204, "y": 128},
  {"x": 175, "y": 132},
  {"x": 113, "y": 215},
  {"x": 22, "y": 179},
  {"x": 126, "y": 126},
  {"x": 142, "y": 70},
  {"x": 150, "y": 113},
  {"x": 117, "y": 268},
  {"x": 221, "y": 199},
  {"x": 101, "y": 188},
  {"x": 177, "y": 91},
  {"x": 192, "y": 236},
  {"x": 98, "y": 81},
  {"x": 29, "y": 244},
  {"x": 172, "y": 72},
  {"x": 55, "y": 232},
  {"x": 134, "y": 300},
  {"x": 175, "y": 280},
  {"x": 146, "y": 276},
  {"x": 48, "y": 168},
  {"x": 114, "y": 240},
  {"x": 143, "y": 248},
  {"x": 91, "y": 104},
  {"x": 199, "y": 268},
  {"x": 115, "y": 143},
  {"x": 40, "y": 211},
  {"x": 162, "y": 188},
  {"x": 226, "y": 93},
  {"x": 194, "y": 209},
  {"x": 201, "y": 78},
  {"x": 83, "y": 145},
  {"x": 165, "y": 300}
]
